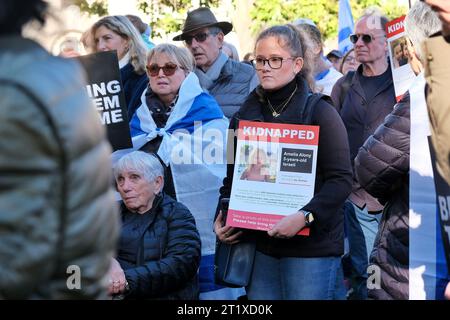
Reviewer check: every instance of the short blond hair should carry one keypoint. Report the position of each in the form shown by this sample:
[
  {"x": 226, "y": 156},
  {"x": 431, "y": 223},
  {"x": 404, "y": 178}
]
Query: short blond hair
[{"x": 181, "y": 56}]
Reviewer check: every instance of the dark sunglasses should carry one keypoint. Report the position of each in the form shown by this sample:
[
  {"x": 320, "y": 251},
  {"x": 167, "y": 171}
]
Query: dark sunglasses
[
  {"x": 199, "y": 37},
  {"x": 168, "y": 69},
  {"x": 366, "y": 38}
]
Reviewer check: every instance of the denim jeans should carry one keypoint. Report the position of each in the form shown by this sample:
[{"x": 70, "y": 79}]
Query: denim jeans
[
  {"x": 362, "y": 229},
  {"x": 292, "y": 278}
]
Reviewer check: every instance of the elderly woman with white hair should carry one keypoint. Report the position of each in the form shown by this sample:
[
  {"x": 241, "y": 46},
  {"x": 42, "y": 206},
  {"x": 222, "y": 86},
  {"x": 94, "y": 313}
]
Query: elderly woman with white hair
[
  {"x": 118, "y": 33},
  {"x": 159, "y": 247}
]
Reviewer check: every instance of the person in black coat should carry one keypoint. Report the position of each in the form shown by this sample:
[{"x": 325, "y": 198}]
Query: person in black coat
[
  {"x": 382, "y": 168},
  {"x": 159, "y": 247},
  {"x": 287, "y": 266}
]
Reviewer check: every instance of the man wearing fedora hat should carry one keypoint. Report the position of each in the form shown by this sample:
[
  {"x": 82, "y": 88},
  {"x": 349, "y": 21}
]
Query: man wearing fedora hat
[{"x": 227, "y": 80}]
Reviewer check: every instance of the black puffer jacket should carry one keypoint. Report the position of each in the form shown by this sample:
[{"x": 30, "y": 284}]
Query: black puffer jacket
[
  {"x": 166, "y": 261},
  {"x": 382, "y": 167}
]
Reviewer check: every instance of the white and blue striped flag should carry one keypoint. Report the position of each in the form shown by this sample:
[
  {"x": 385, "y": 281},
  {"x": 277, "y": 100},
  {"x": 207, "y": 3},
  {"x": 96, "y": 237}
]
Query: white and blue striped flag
[{"x": 346, "y": 26}]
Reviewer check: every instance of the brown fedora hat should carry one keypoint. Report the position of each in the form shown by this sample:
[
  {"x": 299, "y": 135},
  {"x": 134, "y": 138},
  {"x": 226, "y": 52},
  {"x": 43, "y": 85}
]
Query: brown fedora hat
[{"x": 202, "y": 18}]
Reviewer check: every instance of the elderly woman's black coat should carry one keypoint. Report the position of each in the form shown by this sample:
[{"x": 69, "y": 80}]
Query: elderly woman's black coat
[
  {"x": 382, "y": 166},
  {"x": 167, "y": 255}
]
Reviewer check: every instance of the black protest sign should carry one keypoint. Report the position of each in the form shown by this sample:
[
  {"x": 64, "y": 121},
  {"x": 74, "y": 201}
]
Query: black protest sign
[
  {"x": 443, "y": 202},
  {"x": 105, "y": 89}
]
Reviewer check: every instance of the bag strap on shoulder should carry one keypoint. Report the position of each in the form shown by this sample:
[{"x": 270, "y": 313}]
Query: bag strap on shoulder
[{"x": 311, "y": 102}]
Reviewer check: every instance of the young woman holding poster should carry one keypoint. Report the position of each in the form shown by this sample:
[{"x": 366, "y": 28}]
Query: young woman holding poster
[
  {"x": 287, "y": 266},
  {"x": 118, "y": 33}
]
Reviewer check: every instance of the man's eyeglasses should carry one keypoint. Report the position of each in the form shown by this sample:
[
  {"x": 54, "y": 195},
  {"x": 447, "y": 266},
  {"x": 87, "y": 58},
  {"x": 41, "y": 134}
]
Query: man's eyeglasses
[
  {"x": 366, "y": 38},
  {"x": 168, "y": 69},
  {"x": 274, "y": 62},
  {"x": 199, "y": 37}
]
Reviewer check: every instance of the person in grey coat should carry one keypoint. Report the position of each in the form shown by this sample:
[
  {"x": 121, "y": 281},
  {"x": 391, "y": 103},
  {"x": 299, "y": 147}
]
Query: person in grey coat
[
  {"x": 58, "y": 218},
  {"x": 227, "y": 80}
]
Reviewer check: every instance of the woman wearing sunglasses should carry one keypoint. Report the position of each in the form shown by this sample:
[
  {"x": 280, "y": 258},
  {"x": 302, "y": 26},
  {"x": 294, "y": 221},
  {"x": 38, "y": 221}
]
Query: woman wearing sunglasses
[
  {"x": 118, "y": 33},
  {"x": 287, "y": 266},
  {"x": 182, "y": 124}
]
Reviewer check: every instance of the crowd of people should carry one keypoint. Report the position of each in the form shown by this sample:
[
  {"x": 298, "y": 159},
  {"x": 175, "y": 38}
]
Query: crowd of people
[{"x": 57, "y": 203}]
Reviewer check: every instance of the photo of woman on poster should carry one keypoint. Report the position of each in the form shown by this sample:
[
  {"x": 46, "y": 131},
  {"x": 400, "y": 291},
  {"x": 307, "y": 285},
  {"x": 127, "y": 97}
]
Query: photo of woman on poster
[{"x": 257, "y": 169}]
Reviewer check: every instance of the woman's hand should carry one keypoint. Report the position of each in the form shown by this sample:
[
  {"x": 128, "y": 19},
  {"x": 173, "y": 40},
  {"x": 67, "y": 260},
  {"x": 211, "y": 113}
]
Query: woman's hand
[
  {"x": 288, "y": 226},
  {"x": 226, "y": 234},
  {"x": 117, "y": 281}
]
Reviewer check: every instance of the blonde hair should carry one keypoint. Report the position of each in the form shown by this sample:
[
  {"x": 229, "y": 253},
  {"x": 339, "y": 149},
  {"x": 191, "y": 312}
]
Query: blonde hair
[
  {"x": 182, "y": 56},
  {"x": 125, "y": 29},
  {"x": 255, "y": 154}
]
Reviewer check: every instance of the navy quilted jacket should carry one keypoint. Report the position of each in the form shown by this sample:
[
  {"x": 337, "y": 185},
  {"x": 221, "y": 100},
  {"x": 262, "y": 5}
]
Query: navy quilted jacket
[{"x": 167, "y": 253}]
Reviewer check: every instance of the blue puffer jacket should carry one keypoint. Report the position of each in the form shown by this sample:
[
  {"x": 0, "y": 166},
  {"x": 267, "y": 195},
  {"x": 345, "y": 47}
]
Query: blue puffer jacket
[{"x": 167, "y": 257}]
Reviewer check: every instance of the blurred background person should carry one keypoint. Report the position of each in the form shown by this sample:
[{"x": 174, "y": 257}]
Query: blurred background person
[
  {"x": 87, "y": 41},
  {"x": 324, "y": 74},
  {"x": 335, "y": 57},
  {"x": 230, "y": 50},
  {"x": 437, "y": 74},
  {"x": 57, "y": 213},
  {"x": 159, "y": 245},
  {"x": 70, "y": 48},
  {"x": 349, "y": 62},
  {"x": 118, "y": 33},
  {"x": 248, "y": 58},
  {"x": 143, "y": 28}
]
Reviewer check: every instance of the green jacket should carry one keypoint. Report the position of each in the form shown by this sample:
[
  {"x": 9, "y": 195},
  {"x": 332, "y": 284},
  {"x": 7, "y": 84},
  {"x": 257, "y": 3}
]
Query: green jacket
[{"x": 54, "y": 227}]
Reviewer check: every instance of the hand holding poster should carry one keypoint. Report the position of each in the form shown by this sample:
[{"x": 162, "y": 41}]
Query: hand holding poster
[
  {"x": 274, "y": 173},
  {"x": 105, "y": 89}
]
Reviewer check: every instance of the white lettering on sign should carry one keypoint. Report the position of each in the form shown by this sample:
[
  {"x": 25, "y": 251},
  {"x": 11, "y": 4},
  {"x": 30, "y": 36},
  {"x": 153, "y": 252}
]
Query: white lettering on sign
[
  {"x": 395, "y": 27},
  {"x": 279, "y": 133}
]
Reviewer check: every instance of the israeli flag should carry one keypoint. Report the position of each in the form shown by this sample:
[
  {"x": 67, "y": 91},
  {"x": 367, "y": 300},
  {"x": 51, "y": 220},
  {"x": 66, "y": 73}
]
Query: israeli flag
[{"x": 346, "y": 26}]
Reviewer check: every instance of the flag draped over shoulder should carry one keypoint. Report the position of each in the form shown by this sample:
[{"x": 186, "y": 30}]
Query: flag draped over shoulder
[
  {"x": 194, "y": 146},
  {"x": 346, "y": 26}
]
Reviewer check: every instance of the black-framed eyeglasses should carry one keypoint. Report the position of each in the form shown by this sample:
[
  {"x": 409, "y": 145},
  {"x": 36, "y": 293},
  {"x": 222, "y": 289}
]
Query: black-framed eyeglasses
[
  {"x": 366, "y": 38},
  {"x": 168, "y": 69},
  {"x": 274, "y": 62},
  {"x": 199, "y": 37}
]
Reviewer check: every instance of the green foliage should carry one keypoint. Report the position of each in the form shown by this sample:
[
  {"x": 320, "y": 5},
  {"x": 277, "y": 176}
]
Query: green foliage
[
  {"x": 97, "y": 7},
  {"x": 324, "y": 13},
  {"x": 168, "y": 15}
]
